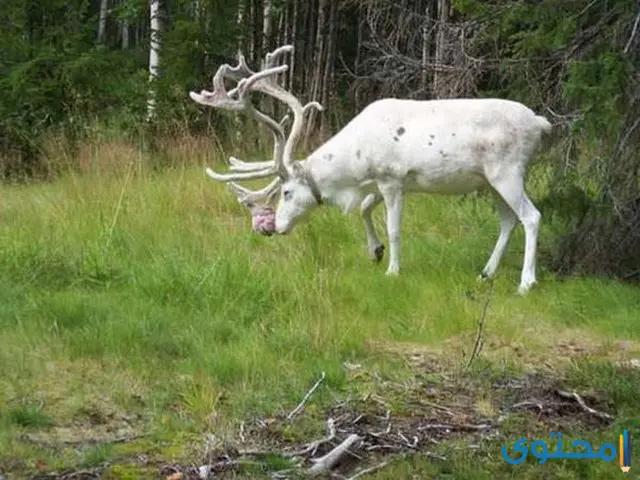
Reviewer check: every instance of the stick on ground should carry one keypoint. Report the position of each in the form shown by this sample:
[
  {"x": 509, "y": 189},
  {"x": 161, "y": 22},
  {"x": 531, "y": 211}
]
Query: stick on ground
[
  {"x": 331, "y": 459},
  {"x": 300, "y": 406},
  {"x": 574, "y": 396},
  {"x": 477, "y": 346},
  {"x": 368, "y": 470}
]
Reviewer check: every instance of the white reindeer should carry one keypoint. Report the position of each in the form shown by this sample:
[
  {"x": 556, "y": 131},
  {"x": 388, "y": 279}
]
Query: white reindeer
[{"x": 391, "y": 148}]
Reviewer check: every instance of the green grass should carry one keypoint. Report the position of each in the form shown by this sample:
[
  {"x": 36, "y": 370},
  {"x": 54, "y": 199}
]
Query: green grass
[{"x": 143, "y": 303}]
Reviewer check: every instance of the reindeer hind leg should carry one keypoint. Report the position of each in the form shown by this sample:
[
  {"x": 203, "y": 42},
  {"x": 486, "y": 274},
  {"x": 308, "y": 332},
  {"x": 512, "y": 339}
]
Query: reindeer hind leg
[{"x": 374, "y": 246}]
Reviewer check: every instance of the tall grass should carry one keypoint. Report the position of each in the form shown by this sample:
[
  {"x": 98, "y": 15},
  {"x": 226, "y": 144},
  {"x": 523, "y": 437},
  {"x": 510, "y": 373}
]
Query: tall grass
[{"x": 125, "y": 290}]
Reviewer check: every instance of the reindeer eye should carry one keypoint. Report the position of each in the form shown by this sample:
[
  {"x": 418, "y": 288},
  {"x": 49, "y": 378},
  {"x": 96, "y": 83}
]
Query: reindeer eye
[{"x": 286, "y": 194}]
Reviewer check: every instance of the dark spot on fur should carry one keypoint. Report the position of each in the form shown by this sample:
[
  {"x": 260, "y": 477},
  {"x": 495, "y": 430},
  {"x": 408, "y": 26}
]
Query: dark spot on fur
[
  {"x": 387, "y": 172},
  {"x": 396, "y": 138},
  {"x": 453, "y": 134},
  {"x": 430, "y": 143},
  {"x": 432, "y": 136},
  {"x": 442, "y": 153},
  {"x": 480, "y": 149},
  {"x": 358, "y": 153},
  {"x": 329, "y": 156},
  {"x": 400, "y": 131}
]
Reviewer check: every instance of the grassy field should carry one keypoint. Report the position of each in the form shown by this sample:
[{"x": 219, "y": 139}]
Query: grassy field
[{"x": 140, "y": 316}]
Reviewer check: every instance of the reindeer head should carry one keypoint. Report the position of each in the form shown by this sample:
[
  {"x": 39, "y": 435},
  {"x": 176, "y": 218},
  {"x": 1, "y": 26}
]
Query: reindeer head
[{"x": 298, "y": 196}]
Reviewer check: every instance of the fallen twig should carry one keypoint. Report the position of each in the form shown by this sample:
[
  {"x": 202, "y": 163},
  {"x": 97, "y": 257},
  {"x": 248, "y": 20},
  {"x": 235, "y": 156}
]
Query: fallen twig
[
  {"x": 204, "y": 471},
  {"x": 477, "y": 346},
  {"x": 313, "y": 446},
  {"x": 330, "y": 460},
  {"x": 585, "y": 407},
  {"x": 300, "y": 406},
  {"x": 529, "y": 403},
  {"x": 446, "y": 410},
  {"x": 395, "y": 448},
  {"x": 452, "y": 427},
  {"x": 264, "y": 453},
  {"x": 282, "y": 474},
  {"x": 368, "y": 470},
  {"x": 242, "y": 432},
  {"x": 385, "y": 432}
]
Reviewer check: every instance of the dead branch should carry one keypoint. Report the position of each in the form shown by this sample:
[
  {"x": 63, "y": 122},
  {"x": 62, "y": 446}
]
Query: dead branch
[
  {"x": 368, "y": 470},
  {"x": 446, "y": 410},
  {"x": 477, "y": 346},
  {"x": 453, "y": 427},
  {"x": 242, "y": 439},
  {"x": 577, "y": 398},
  {"x": 300, "y": 406},
  {"x": 312, "y": 447},
  {"x": 204, "y": 471},
  {"x": 330, "y": 460},
  {"x": 529, "y": 404}
]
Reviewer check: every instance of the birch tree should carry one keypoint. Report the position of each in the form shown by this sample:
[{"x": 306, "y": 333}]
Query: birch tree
[
  {"x": 102, "y": 19},
  {"x": 154, "y": 55}
]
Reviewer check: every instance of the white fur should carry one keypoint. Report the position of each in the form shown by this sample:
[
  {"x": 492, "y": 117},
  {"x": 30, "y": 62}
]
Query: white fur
[{"x": 394, "y": 147}]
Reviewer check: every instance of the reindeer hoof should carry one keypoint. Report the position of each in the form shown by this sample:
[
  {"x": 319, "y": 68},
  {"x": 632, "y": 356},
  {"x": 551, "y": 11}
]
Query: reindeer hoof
[
  {"x": 378, "y": 253},
  {"x": 483, "y": 277},
  {"x": 524, "y": 288}
]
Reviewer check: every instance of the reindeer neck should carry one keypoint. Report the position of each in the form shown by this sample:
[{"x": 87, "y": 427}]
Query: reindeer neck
[{"x": 333, "y": 179}]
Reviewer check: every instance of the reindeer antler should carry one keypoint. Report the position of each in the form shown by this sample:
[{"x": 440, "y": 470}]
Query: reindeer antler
[{"x": 237, "y": 99}]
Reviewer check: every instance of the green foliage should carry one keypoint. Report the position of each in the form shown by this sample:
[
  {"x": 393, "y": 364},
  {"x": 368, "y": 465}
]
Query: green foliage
[
  {"x": 564, "y": 56},
  {"x": 29, "y": 417},
  {"x": 162, "y": 313},
  {"x": 572, "y": 56}
]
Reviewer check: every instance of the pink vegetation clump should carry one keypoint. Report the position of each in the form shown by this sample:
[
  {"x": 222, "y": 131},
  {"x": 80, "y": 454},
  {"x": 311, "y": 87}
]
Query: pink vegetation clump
[{"x": 263, "y": 220}]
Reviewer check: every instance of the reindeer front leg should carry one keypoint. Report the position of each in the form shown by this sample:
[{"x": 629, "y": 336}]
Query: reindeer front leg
[
  {"x": 374, "y": 246},
  {"x": 393, "y": 196}
]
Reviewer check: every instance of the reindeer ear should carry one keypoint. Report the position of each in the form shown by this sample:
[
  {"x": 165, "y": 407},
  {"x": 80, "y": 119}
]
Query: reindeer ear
[{"x": 297, "y": 169}]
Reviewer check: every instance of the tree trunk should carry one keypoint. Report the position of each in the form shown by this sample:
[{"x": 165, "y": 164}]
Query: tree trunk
[
  {"x": 426, "y": 47},
  {"x": 196, "y": 11},
  {"x": 317, "y": 74},
  {"x": 327, "y": 83},
  {"x": 306, "y": 71},
  {"x": 296, "y": 52},
  {"x": 358, "y": 59},
  {"x": 267, "y": 33},
  {"x": 239, "y": 20},
  {"x": 267, "y": 26},
  {"x": 124, "y": 34},
  {"x": 284, "y": 38},
  {"x": 439, "y": 75},
  {"x": 400, "y": 32},
  {"x": 102, "y": 19},
  {"x": 154, "y": 55},
  {"x": 250, "y": 20},
  {"x": 257, "y": 31}
]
